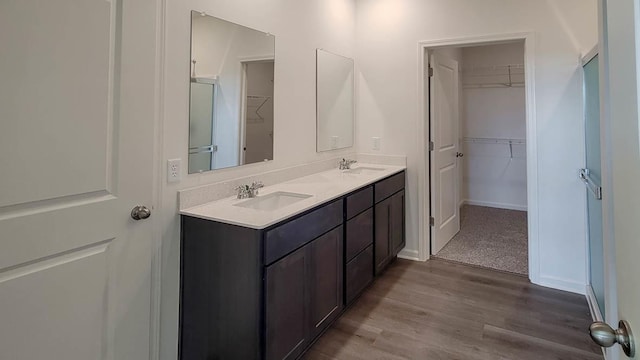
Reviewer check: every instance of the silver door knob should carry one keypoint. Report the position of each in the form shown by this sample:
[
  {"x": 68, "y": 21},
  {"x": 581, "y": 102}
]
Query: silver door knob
[
  {"x": 140, "y": 212},
  {"x": 603, "y": 335}
]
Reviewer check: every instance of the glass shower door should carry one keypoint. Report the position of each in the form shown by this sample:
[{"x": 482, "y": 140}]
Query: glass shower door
[{"x": 592, "y": 178}]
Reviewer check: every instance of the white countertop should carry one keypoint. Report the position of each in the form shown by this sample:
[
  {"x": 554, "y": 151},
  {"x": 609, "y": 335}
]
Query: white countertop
[{"x": 323, "y": 187}]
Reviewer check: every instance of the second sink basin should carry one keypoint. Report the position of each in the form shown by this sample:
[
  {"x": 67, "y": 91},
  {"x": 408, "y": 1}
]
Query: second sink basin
[
  {"x": 363, "y": 170},
  {"x": 273, "y": 201}
]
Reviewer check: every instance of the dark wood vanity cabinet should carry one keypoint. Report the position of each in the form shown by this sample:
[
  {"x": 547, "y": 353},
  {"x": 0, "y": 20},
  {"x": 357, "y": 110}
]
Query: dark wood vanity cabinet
[
  {"x": 389, "y": 220},
  {"x": 303, "y": 295},
  {"x": 358, "y": 242},
  {"x": 269, "y": 293},
  {"x": 260, "y": 294}
]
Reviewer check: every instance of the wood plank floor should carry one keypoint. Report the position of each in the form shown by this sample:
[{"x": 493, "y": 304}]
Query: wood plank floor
[{"x": 444, "y": 310}]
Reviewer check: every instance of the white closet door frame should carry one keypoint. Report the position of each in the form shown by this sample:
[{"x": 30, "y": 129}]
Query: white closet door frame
[{"x": 422, "y": 124}]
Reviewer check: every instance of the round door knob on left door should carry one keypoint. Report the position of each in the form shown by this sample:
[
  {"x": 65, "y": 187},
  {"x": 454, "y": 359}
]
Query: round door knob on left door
[
  {"x": 140, "y": 212},
  {"x": 603, "y": 335},
  {"x": 459, "y": 154}
]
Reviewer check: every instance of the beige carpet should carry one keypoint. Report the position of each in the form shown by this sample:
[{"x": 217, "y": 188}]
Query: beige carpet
[{"x": 491, "y": 238}]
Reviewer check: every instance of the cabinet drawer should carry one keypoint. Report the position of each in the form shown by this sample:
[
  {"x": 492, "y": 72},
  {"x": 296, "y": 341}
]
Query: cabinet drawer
[
  {"x": 389, "y": 186},
  {"x": 359, "y": 202},
  {"x": 359, "y": 274},
  {"x": 289, "y": 236},
  {"x": 359, "y": 233}
]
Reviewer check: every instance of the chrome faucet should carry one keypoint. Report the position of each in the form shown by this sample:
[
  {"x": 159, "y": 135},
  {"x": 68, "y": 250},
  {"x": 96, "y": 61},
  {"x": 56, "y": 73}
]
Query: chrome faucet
[
  {"x": 345, "y": 164},
  {"x": 249, "y": 191}
]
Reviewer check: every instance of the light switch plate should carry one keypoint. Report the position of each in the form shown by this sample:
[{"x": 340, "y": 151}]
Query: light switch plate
[
  {"x": 375, "y": 143},
  {"x": 173, "y": 170}
]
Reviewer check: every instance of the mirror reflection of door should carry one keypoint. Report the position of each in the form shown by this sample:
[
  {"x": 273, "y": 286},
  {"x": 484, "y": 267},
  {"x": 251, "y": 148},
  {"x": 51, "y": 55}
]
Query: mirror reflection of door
[
  {"x": 257, "y": 144},
  {"x": 201, "y": 126}
]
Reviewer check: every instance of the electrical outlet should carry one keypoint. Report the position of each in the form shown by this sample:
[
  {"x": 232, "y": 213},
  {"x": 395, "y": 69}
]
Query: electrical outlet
[
  {"x": 375, "y": 143},
  {"x": 173, "y": 170}
]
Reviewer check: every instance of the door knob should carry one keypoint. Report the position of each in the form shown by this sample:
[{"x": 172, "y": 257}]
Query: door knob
[
  {"x": 140, "y": 212},
  {"x": 459, "y": 154},
  {"x": 603, "y": 335}
]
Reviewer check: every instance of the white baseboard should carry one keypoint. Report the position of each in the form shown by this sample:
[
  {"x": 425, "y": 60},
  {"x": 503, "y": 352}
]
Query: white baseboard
[
  {"x": 495, "y": 205},
  {"x": 596, "y": 315},
  {"x": 562, "y": 284},
  {"x": 409, "y": 254}
]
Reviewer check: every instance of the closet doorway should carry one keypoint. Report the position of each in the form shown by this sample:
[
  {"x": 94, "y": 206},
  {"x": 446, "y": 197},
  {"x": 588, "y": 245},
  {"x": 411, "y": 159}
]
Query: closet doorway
[{"x": 478, "y": 155}]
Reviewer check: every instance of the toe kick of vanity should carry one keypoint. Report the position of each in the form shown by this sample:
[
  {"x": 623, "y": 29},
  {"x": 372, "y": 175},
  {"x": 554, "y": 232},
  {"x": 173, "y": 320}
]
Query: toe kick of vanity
[{"x": 249, "y": 293}]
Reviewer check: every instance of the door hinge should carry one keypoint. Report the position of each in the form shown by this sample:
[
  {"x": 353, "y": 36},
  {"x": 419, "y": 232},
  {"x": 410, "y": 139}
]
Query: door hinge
[
  {"x": 430, "y": 71},
  {"x": 432, "y": 221},
  {"x": 431, "y": 146}
]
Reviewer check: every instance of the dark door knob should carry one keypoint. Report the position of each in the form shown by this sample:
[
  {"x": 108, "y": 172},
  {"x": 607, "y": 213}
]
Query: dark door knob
[
  {"x": 459, "y": 154},
  {"x": 140, "y": 212}
]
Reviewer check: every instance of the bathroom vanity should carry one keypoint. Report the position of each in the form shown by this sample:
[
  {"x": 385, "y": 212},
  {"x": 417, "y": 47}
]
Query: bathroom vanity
[{"x": 262, "y": 279}]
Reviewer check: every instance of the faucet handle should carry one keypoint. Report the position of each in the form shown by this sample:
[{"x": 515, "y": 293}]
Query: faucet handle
[
  {"x": 243, "y": 191},
  {"x": 253, "y": 189}
]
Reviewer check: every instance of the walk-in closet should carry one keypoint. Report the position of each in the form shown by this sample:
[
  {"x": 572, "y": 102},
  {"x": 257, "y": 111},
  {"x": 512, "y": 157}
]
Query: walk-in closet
[{"x": 491, "y": 160}]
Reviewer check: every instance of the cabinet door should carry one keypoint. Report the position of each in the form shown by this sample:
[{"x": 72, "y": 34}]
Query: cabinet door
[
  {"x": 397, "y": 230},
  {"x": 383, "y": 234},
  {"x": 326, "y": 279},
  {"x": 287, "y": 296}
]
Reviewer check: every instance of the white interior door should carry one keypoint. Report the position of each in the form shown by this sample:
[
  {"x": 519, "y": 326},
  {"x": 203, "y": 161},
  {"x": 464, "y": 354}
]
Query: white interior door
[
  {"x": 445, "y": 192},
  {"x": 620, "y": 47},
  {"x": 76, "y": 153}
]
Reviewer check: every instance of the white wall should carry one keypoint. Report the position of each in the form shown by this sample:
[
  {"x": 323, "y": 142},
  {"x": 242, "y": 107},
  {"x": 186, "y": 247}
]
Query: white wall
[
  {"x": 493, "y": 175},
  {"x": 299, "y": 27},
  {"x": 388, "y": 32}
]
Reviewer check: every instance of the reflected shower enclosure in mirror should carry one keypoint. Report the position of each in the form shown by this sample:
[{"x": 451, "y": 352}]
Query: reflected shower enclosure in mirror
[
  {"x": 334, "y": 101},
  {"x": 231, "y": 94}
]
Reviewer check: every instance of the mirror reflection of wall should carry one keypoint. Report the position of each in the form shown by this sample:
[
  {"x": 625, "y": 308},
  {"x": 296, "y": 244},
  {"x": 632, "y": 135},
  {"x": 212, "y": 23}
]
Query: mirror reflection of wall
[
  {"x": 231, "y": 102},
  {"x": 334, "y": 101}
]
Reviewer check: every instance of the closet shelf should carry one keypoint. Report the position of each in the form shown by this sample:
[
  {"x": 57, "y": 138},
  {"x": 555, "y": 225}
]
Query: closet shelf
[
  {"x": 505, "y": 141},
  {"x": 510, "y": 75},
  {"x": 493, "y": 85}
]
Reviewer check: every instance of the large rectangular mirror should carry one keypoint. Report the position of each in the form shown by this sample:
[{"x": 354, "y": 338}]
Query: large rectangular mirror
[
  {"x": 334, "y": 101},
  {"x": 231, "y": 94}
]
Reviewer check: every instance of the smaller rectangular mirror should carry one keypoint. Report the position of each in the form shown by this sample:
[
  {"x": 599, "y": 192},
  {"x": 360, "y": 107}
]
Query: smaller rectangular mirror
[
  {"x": 334, "y": 101},
  {"x": 231, "y": 94}
]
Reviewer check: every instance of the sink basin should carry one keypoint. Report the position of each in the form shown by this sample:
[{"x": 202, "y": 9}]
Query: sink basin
[
  {"x": 363, "y": 170},
  {"x": 273, "y": 201}
]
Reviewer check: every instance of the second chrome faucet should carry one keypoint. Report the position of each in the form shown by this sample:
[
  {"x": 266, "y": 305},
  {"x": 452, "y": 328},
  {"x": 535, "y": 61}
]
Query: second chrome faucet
[
  {"x": 345, "y": 164},
  {"x": 249, "y": 191}
]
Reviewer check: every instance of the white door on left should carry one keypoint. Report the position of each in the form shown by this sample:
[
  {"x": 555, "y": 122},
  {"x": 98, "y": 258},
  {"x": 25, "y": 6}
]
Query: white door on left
[
  {"x": 77, "y": 103},
  {"x": 444, "y": 124}
]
